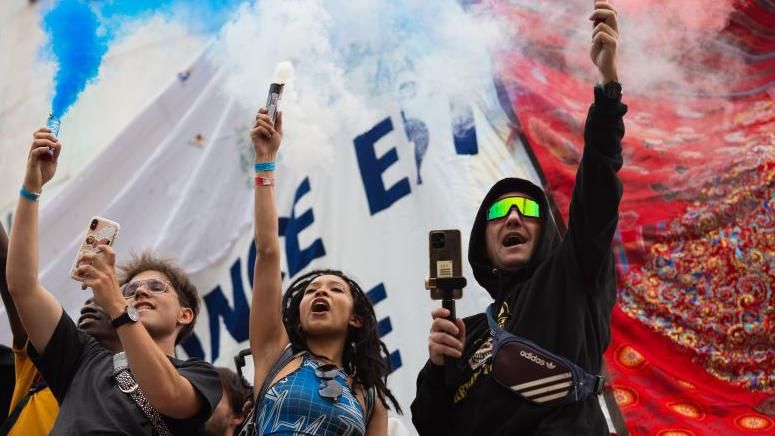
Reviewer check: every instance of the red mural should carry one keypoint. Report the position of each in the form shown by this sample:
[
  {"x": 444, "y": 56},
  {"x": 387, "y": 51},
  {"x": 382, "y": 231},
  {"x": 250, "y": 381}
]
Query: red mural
[{"x": 694, "y": 328}]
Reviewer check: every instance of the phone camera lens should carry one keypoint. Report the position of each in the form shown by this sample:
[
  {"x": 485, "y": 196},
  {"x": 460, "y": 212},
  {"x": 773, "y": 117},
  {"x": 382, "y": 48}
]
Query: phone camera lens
[
  {"x": 93, "y": 225},
  {"x": 438, "y": 240}
]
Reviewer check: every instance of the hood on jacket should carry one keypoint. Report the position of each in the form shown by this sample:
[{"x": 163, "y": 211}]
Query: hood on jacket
[{"x": 484, "y": 272}]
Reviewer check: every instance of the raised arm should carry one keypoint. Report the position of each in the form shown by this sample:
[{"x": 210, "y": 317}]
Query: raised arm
[
  {"x": 598, "y": 189},
  {"x": 37, "y": 309},
  {"x": 17, "y": 329},
  {"x": 267, "y": 332}
]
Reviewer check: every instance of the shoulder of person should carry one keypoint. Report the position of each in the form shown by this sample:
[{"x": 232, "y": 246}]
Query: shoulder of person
[{"x": 193, "y": 363}]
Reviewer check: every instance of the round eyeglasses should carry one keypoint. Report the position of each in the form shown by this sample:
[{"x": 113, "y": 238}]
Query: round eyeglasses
[{"x": 154, "y": 286}]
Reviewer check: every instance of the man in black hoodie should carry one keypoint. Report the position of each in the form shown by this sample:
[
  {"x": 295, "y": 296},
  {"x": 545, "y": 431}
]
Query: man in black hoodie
[{"x": 557, "y": 293}]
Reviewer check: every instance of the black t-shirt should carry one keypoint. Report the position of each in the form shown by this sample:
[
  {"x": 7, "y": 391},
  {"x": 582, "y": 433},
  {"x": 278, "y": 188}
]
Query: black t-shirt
[{"x": 79, "y": 371}]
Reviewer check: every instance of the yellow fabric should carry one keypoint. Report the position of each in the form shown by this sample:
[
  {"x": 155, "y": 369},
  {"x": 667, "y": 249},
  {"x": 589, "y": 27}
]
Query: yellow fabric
[{"x": 38, "y": 416}]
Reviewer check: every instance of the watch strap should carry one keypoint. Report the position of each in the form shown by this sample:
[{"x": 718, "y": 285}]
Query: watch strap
[{"x": 122, "y": 319}]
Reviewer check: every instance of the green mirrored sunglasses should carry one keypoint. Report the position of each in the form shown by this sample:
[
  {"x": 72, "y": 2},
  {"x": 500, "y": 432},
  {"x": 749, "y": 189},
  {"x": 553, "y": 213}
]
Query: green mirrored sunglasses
[{"x": 526, "y": 207}]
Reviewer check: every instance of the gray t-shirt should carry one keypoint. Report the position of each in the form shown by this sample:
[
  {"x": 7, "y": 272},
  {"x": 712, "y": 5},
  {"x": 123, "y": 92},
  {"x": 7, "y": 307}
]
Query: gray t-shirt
[{"x": 79, "y": 372}]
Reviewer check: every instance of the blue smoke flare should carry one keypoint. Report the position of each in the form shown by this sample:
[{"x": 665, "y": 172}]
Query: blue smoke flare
[
  {"x": 81, "y": 31},
  {"x": 78, "y": 47}
]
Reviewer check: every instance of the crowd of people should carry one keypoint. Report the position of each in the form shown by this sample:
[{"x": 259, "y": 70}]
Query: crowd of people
[{"x": 319, "y": 367}]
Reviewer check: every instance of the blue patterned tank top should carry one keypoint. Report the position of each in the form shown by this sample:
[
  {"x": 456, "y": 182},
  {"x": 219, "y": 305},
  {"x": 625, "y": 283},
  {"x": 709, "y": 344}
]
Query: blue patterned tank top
[{"x": 294, "y": 406}]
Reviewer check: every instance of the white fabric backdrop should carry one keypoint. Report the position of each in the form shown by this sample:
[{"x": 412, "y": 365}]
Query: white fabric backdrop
[{"x": 178, "y": 179}]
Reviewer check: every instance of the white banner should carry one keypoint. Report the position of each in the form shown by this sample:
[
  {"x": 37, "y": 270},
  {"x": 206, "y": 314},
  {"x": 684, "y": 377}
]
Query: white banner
[{"x": 179, "y": 180}]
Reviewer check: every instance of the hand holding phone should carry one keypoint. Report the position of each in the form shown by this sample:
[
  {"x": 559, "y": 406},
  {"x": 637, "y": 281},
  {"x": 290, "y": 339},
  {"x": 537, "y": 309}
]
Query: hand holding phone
[
  {"x": 100, "y": 231},
  {"x": 446, "y": 283}
]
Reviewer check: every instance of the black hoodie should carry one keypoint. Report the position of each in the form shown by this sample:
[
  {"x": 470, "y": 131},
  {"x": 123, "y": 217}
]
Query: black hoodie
[{"x": 561, "y": 300}]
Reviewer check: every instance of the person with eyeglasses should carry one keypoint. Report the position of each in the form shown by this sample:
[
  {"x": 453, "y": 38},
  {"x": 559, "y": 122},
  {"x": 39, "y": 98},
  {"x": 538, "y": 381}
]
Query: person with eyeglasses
[
  {"x": 334, "y": 381},
  {"x": 531, "y": 364},
  {"x": 152, "y": 306},
  {"x": 33, "y": 407}
]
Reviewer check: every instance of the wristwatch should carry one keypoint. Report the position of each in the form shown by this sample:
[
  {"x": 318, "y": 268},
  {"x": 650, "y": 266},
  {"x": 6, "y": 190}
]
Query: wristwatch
[
  {"x": 612, "y": 90},
  {"x": 130, "y": 315}
]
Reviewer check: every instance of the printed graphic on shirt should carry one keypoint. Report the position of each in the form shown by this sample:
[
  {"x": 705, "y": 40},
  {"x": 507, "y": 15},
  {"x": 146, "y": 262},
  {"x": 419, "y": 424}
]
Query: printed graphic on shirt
[
  {"x": 482, "y": 355},
  {"x": 481, "y": 361}
]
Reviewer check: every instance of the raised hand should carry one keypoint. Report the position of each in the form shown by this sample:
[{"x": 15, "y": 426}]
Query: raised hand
[
  {"x": 98, "y": 272},
  {"x": 266, "y": 136},
  {"x": 41, "y": 164},
  {"x": 605, "y": 38}
]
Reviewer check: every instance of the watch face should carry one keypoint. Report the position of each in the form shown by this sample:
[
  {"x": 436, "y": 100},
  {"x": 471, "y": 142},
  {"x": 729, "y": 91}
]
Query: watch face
[{"x": 131, "y": 311}]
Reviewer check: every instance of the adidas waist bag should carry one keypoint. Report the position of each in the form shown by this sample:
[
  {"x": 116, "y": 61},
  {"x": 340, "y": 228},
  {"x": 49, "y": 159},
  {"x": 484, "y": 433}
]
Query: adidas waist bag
[{"x": 537, "y": 375}]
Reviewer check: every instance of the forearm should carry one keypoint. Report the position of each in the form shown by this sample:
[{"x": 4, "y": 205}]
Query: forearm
[
  {"x": 37, "y": 309},
  {"x": 22, "y": 263},
  {"x": 265, "y": 215},
  {"x": 598, "y": 189},
  {"x": 169, "y": 392},
  {"x": 265, "y": 312},
  {"x": 17, "y": 329}
]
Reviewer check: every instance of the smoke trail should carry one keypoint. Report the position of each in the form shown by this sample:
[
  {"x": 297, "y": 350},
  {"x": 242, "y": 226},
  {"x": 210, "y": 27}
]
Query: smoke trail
[
  {"x": 348, "y": 55},
  {"x": 78, "y": 46},
  {"x": 659, "y": 50},
  {"x": 80, "y": 34}
]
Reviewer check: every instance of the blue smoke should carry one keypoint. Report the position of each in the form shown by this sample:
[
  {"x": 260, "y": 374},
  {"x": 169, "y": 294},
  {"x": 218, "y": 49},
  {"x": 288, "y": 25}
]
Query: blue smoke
[
  {"x": 81, "y": 31},
  {"x": 78, "y": 47}
]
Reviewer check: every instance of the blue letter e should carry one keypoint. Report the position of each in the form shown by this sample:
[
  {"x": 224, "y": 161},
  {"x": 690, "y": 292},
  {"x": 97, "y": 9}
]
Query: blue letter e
[{"x": 372, "y": 168}]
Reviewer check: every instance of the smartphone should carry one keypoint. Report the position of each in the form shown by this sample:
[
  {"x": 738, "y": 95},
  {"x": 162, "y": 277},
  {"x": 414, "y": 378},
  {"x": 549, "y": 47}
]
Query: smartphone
[
  {"x": 445, "y": 259},
  {"x": 100, "y": 229}
]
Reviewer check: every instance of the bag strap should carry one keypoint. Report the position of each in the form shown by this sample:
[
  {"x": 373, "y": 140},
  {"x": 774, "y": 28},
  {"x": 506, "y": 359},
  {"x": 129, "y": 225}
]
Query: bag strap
[
  {"x": 11, "y": 420},
  {"x": 285, "y": 358},
  {"x": 127, "y": 384}
]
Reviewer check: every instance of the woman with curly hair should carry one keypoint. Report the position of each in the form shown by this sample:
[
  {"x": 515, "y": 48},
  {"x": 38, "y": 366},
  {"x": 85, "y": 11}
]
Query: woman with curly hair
[{"x": 336, "y": 382}]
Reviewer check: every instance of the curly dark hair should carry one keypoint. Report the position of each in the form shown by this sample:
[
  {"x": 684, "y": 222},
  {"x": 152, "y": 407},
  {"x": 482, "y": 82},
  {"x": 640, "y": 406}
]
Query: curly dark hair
[{"x": 365, "y": 356}]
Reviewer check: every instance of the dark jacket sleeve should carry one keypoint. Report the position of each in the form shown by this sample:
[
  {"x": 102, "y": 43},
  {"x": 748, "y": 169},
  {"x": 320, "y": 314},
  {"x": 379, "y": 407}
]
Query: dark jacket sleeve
[
  {"x": 432, "y": 403},
  {"x": 597, "y": 192}
]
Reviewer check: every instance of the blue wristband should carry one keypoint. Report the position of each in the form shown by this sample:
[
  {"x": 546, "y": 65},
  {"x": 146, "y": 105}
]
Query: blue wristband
[
  {"x": 28, "y": 195},
  {"x": 265, "y": 166}
]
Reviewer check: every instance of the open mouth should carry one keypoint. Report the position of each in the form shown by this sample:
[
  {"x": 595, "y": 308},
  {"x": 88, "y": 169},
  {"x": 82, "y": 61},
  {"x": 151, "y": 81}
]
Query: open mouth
[
  {"x": 143, "y": 305},
  {"x": 513, "y": 240},
  {"x": 320, "y": 305}
]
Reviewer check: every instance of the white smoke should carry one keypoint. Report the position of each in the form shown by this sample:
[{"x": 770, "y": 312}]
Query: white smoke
[{"x": 346, "y": 53}]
